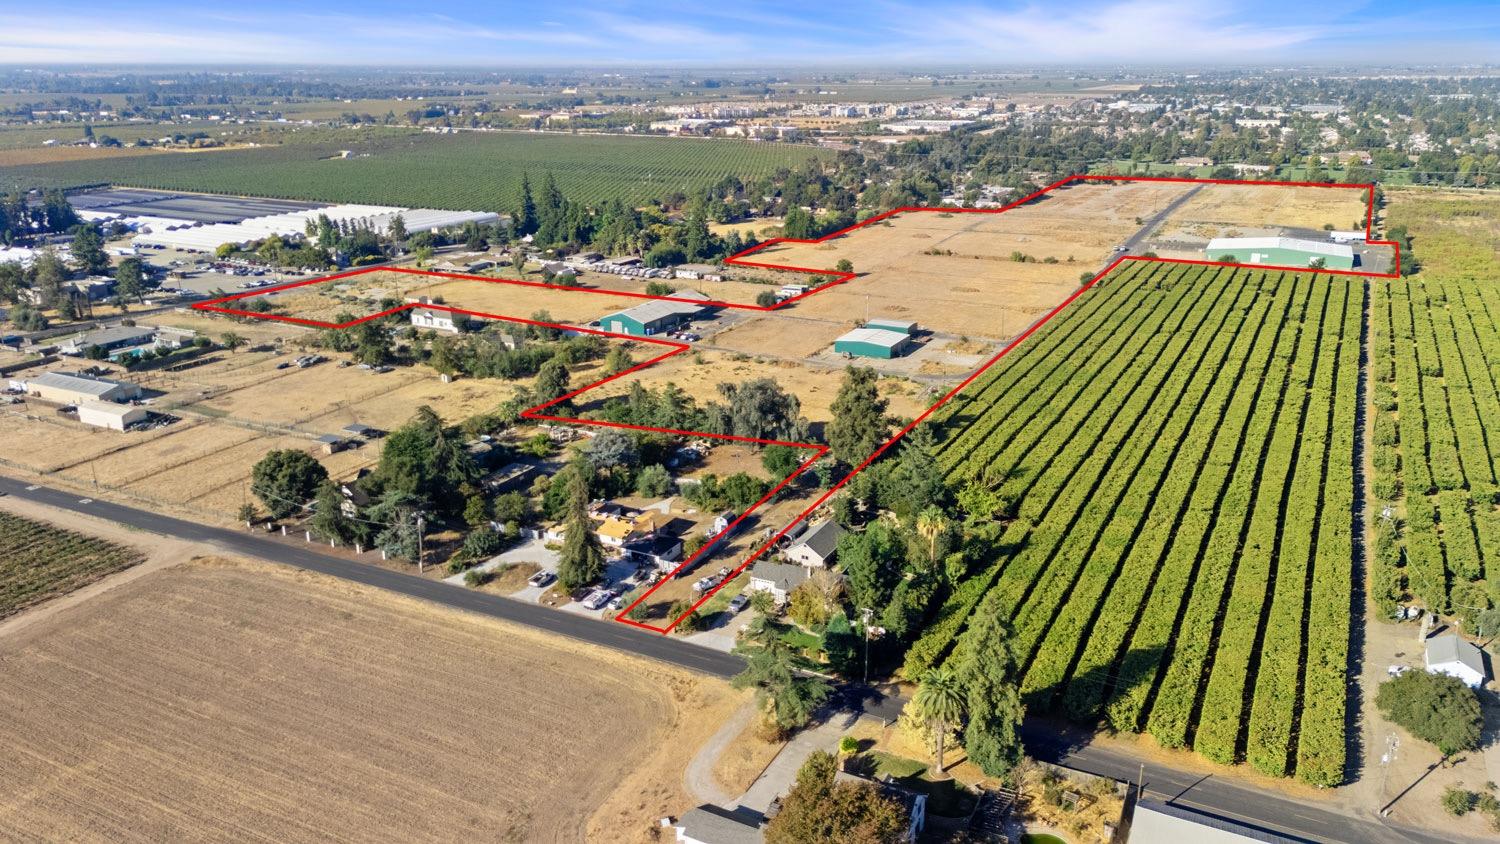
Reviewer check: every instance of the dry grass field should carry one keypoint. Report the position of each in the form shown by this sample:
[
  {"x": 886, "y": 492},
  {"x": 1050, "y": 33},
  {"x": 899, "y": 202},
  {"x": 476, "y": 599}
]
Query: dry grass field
[
  {"x": 814, "y": 387},
  {"x": 1251, "y": 210},
  {"x": 233, "y": 701},
  {"x": 52, "y": 155},
  {"x": 362, "y": 294},
  {"x": 954, "y": 273}
]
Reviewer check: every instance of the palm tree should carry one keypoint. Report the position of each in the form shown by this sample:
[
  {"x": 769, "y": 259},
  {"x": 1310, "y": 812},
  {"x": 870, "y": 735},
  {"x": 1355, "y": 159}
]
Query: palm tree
[
  {"x": 939, "y": 703},
  {"x": 931, "y": 523}
]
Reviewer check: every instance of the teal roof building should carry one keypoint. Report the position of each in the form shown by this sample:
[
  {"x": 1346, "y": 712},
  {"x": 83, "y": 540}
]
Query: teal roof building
[
  {"x": 1281, "y": 252},
  {"x": 873, "y": 343}
]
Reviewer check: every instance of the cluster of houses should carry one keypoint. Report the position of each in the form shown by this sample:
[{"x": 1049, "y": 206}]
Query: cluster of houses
[{"x": 806, "y": 548}]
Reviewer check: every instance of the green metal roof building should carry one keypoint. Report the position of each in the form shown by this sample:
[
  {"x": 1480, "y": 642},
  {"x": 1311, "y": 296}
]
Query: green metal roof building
[
  {"x": 1281, "y": 252},
  {"x": 872, "y": 343},
  {"x": 899, "y": 326},
  {"x": 651, "y": 318}
]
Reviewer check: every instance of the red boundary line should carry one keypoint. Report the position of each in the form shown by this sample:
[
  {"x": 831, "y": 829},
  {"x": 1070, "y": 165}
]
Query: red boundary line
[{"x": 673, "y": 348}]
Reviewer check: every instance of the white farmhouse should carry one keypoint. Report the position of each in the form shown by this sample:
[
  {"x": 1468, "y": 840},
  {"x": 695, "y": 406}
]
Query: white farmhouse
[{"x": 438, "y": 320}]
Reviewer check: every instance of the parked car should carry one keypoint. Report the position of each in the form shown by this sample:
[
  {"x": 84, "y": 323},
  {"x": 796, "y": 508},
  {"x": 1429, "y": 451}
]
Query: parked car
[
  {"x": 739, "y": 602},
  {"x": 541, "y": 578},
  {"x": 617, "y": 603},
  {"x": 704, "y": 584},
  {"x": 597, "y": 599}
]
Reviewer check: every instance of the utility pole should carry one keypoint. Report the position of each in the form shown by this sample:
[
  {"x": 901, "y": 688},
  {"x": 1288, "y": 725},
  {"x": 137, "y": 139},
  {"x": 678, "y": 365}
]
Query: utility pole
[
  {"x": 865, "y": 614},
  {"x": 421, "y": 527},
  {"x": 1392, "y": 743}
]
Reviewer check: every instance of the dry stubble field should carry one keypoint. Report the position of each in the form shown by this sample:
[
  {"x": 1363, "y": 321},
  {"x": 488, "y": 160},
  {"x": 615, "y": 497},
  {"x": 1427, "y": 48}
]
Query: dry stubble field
[
  {"x": 1253, "y": 209},
  {"x": 224, "y": 700},
  {"x": 970, "y": 286}
]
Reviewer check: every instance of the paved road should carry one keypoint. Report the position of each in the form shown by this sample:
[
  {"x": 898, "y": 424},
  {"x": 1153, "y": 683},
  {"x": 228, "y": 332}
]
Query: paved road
[
  {"x": 1216, "y": 796},
  {"x": 1133, "y": 243},
  {"x": 1063, "y": 745},
  {"x": 608, "y": 634}
]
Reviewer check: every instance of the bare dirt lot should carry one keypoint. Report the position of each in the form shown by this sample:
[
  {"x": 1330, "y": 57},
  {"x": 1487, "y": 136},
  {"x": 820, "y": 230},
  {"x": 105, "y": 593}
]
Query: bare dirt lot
[
  {"x": 223, "y": 700},
  {"x": 955, "y": 272},
  {"x": 363, "y": 294},
  {"x": 1251, "y": 210}
]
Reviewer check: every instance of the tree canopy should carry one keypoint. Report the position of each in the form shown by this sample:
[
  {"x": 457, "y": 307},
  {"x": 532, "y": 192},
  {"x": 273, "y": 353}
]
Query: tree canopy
[
  {"x": 1436, "y": 708},
  {"x": 818, "y": 810},
  {"x": 859, "y": 423},
  {"x": 286, "y": 479}
]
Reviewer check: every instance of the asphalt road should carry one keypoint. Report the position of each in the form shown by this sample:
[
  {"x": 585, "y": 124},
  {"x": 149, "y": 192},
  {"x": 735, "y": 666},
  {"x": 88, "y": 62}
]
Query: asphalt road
[
  {"x": 1133, "y": 243},
  {"x": 1043, "y": 741}
]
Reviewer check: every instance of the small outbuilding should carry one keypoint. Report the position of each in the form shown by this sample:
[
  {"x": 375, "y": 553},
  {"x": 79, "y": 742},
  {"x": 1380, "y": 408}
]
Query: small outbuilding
[
  {"x": 116, "y": 417},
  {"x": 872, "y": 343},
  {"x": 332, "y": 444},
  {"x": 1451, "y": 655}
]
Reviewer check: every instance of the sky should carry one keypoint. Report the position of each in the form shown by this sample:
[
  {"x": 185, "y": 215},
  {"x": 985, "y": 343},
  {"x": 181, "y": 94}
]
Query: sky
[{"x": 748, "y": 33}]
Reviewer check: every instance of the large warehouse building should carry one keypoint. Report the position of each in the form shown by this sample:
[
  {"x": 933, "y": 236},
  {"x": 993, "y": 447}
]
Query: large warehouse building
[
  {"x": 653, "y": 317},
  {"x": 67, "y": 388},
  {"x": 1280, "y": 252},
  {"x": 873, "y": 343}
]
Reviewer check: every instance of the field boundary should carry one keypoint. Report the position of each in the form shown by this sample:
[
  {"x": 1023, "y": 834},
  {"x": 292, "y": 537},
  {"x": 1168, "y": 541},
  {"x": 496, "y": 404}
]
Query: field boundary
[{"x": 537, "y": 413}]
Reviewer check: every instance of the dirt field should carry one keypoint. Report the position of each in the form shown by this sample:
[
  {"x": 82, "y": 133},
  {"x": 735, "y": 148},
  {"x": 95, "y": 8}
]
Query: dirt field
[
  {"x": 54, "y": 154},
  {"x": 1253, "y": 210},
  {"x": 954, "y": 273},
  {"x": 361, "y": 296},
  {"x": 224, "y": 700}
]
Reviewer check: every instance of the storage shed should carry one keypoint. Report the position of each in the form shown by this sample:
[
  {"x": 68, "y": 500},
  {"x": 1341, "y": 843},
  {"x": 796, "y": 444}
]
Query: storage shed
[
  {"x": 872, "y": 343},
  {"x": 116, "y": 417},
  {"x": 1448, "y": 654}
]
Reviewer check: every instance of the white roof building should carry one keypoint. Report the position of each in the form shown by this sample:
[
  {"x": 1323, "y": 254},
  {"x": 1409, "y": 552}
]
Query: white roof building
[
  {"x": 116, "y": 417},
  {"x": 437, "y": 320},
  {"x": 1448, "y": 654},
  {"x": 1332, "y": 250},
  {"x": 207, "y": 238}
]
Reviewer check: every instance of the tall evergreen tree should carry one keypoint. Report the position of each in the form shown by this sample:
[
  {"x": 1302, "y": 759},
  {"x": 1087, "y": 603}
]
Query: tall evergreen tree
[
  {"x": 526, "y": 211},
  {"x": 859, "y": 423},
  {"x": 986, "y": 670},
  {"x": 581, "y": 560},
  {"x": 772, "y": 668}
]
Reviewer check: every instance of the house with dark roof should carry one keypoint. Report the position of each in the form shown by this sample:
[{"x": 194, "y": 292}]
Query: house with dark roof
[
  {"x": 709, "y": 824},
  {"x": 660, "y": 550},
  {"x": 779, "y": 579},
  {"x": 818, "y": 546}
]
